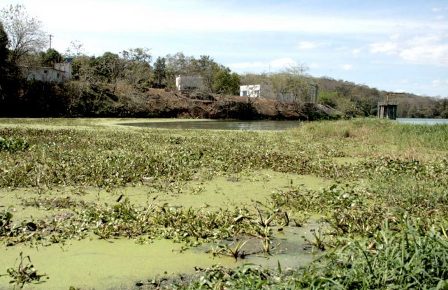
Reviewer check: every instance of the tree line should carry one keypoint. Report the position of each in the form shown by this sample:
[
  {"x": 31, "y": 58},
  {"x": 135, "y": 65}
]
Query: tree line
[{"x": 99, "y": 80}]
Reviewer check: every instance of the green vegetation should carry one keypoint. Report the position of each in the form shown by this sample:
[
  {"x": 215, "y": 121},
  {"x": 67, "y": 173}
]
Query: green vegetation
[
  {"x": 12, "y": 144},
  {"x": 369, "y": 197},
  {"x": 25, "y": 272},
  {"x": 131, "y": 83}
]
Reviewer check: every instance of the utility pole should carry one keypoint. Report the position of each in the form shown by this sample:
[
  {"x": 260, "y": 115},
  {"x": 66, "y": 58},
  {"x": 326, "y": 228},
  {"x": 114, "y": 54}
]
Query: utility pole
[{"x": 51, "y": 36}]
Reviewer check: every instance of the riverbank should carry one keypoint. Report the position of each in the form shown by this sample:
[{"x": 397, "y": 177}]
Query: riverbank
[{"x": 82, "y": 99}]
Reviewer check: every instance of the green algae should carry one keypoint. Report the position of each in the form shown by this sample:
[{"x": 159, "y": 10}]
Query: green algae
[
  {"x": 220, "y": 192},
  {"x": 101, "y": 264},
  {"x": 346, "y": 160},
  {"x": 119, "y": 263},
  {"x": 241, "y": 189}
]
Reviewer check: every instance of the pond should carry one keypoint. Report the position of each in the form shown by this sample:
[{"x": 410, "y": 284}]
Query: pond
[
  {"x": 422, "y": 121},
  {"x": 219, "y": 125}
]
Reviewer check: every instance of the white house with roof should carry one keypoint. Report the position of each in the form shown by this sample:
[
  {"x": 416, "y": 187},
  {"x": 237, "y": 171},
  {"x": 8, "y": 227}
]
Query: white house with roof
[{"x": 60, "y": 73}]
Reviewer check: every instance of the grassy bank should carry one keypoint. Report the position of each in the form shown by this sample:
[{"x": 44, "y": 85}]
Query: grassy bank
[{"x": 377, "y": 191}]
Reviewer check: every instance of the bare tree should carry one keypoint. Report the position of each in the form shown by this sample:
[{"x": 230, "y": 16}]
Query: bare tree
[
  {"x": 24, "y": 32},
  {"x": 75, "y": 49}
]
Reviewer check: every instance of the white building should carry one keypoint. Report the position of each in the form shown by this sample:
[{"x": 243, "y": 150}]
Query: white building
[
  {"x": 60, "y": 73},
  {"x": 266, "y": 91},
  {"x": 253, "y": 91},
  {"x": 184, "y": 83}
]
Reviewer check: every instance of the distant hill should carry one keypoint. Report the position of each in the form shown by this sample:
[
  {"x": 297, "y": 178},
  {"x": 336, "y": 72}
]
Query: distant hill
[
  {"x": 362, "y": 100},
  {"x": 351, "y": 99}
]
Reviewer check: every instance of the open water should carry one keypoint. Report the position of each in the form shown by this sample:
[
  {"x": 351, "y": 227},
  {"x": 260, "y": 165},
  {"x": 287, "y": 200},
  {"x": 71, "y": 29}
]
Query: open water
[
  {"x": 220, "y": 125},
  {"x": 420, "y": 121}
]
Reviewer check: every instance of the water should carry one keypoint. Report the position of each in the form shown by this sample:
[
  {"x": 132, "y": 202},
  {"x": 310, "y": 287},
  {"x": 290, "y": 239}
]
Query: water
[
  {"x": 419, "y": 121},
  {"x": 220, "y": 125}
]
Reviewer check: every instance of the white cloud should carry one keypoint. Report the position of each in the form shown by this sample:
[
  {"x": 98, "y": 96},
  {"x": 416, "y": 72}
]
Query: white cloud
[
  {"x": 347, "y": 67},
  {"x": 426, "y": 54},
  {"x": 425, "y": 49},
  {"x": 439, "y": 9},
  {"x": 304, "y": 45},
  {"x": 200, "y": 16},
  {"x": 356, "y": 52},
  {"x": 439, "y": 83},
  {"x": 383, "y": 47}
]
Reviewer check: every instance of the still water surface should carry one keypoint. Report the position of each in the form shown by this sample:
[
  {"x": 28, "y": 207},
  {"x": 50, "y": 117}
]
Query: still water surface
[
  {"x": 254, "y": 125},
  {"x": 418, "y": 121},
  {"x": 220, "y": 125}
]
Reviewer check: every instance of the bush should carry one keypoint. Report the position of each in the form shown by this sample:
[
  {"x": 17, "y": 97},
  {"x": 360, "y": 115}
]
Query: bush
[{"x": 13, "y": 145}]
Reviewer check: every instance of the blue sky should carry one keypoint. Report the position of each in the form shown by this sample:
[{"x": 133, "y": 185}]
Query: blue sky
[{"x": 391, "y": 45}]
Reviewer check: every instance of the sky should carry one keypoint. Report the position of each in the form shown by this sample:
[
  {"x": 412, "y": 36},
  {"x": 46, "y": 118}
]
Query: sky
[{"x": 394, "y": 45}]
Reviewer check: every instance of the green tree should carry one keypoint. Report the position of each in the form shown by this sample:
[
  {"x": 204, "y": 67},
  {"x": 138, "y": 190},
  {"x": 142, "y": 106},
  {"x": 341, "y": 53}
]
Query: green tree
[
  {"x": 137, "y": 67},
  {"x": 3, "y": 47},
  {"x": 226, "y": 82},
  {"x": 3, "y": 60},
  {"x": 24, "y": 32},
  {"x": 9, "y": 77},
  {"x": 444, "y": 108},
  {"x": 160, "y": 72},
  {"x": 50, "y": 57},
  {"x": 208, "y": 69},
  {"x": 84, "y": 68},
  {"x": 109, "y": 67}
]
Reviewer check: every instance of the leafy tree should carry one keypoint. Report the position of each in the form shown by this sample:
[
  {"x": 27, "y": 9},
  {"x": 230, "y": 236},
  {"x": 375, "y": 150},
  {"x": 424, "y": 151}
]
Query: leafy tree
[
  {"x": 50, "y": 57},
  {"x": 140, "y": 55},
  {"x": 84, "y": 68},
  {"x": 3, "y": 48},
  {"x": 24, "y": 32},
  {"x": 208, "y": 69},
  {"x": 226, "y": 82},
  {"x": 3, "y": 60},
  {"x": 109, "y": 67},
  {"x": 137, "y": 68},
  {"x": 160, "y": 72},
  {"x": 9, "y": 77},
  {"x": 327, "y": 98},
  {"x": 444, "y": 108}
]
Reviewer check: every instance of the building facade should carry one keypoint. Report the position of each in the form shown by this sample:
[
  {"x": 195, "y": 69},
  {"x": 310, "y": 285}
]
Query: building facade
[
  {"x": 60, "y": 73},
  {"x": 185, "y": 83}
]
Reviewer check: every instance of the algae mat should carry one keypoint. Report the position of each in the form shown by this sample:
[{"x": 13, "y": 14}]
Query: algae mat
[
  {"x": 220, "y": 192},
  {"x": 118, "y": 264},
  {"x": 101, "y": 264}
]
